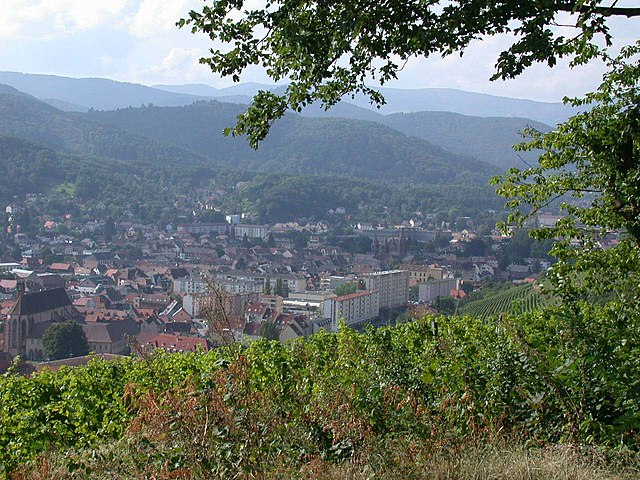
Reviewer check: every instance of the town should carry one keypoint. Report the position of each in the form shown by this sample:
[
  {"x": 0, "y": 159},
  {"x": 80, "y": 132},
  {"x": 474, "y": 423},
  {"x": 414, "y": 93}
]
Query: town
[{"x": 134, "y": 287}]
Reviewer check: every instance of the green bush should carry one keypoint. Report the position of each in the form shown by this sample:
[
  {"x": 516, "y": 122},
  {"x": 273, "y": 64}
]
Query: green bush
[{"x": 247, "y": 410}]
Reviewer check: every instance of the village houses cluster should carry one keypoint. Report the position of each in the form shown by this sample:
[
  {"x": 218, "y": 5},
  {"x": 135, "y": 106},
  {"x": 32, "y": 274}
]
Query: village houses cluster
[{"x": 159, "y": 297}]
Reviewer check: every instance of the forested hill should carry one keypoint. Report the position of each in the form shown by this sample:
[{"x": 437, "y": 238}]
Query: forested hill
[
  {"x": 9, "y": 90},
  {"x": 487, "y": 138},
  {"x": 25, "y": 117},
  {"x": 327, "y": 146},
  {"x": 26, "y": 167},
  {"x": 92, "y": 92}
]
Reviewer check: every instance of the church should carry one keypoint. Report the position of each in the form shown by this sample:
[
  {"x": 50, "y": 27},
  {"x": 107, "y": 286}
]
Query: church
[{"x": 32, "y": 314}]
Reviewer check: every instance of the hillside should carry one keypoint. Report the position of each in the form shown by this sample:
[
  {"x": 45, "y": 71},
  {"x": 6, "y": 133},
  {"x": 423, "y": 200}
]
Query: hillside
[
  {"x": 325, "y": 146},
  {"x": 487, "y": 138},
  {"x": 99, "y": 93},
  {"x": 91, "y": 186},
  {"x": 282, "y": 197},
  {"x": 25, "y": 117}
]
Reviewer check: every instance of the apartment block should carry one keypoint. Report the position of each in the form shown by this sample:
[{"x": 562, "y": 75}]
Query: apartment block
[
  {"x": 352, "y": 308},
  {"x": 393, "y": 286}
]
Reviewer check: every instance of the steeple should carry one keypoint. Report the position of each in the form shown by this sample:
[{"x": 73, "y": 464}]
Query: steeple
[{"x": 21, "y": 286}]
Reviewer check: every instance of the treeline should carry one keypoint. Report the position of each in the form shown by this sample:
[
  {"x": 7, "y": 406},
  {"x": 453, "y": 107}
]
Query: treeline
[
  {"x": 285, "y": 197},
  {"x": 148, "y": 189}
]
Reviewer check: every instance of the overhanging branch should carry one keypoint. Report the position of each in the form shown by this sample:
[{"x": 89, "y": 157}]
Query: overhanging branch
[{"x": 611, "y": 11}]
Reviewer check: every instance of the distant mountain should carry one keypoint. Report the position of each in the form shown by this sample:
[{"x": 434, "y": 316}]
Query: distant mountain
[
  {"x": 248, "y": 89},
  {"x": 98, "y": 93},
  {"x": 9, "y": 90},
  {"x": 417, "y": 100},
  {"x": 326, "y": 146},
  {"x": 25, "y": 117},
  {"x": 487, "y": 138},
  {"x": 467, "y": 103},
  {"x": 199, "y": 89}
]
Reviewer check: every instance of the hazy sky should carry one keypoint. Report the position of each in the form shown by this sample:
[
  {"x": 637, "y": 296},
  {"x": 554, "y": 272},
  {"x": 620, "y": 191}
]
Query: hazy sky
[{"x": 137, "y": 41}]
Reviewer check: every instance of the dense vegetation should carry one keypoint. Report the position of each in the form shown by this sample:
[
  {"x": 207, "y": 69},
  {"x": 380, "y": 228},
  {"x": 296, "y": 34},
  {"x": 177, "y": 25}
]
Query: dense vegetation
[
  {"x": 245, "y": 411},
  {"x": 25, "y": 117},
  {"x": 301, "y": 145},
  {"x": 116, "y": 184},
  {"x": 283, "y": 197},
  {"x": 149, "y": 189},
  {"x": 487, "y": 138}
]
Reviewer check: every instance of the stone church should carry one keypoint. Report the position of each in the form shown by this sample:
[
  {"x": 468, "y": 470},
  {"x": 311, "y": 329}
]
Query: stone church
[{"x": 32, "y": 314}]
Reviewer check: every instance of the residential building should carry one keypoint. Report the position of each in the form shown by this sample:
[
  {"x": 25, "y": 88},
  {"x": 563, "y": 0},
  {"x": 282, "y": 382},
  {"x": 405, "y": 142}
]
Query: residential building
[
  {"x": 429, "y": 291},
  {"x": 111, "y": 337},
  {"x": 423, "y": 273},
  {"x": 204, "y": 228},
  {"x": 190, "y": 285},
  {"x": 393, "y": 286},
  {"x": 251, "y": 231},
  {"x": 352, "y": 308}
]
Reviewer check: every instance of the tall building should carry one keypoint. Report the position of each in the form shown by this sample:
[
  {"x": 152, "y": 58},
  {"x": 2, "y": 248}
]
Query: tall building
[
  {"x": 32, "y": 314},
  {"x": 393, "y": 286},
  {"x": 352, "y": 308}
]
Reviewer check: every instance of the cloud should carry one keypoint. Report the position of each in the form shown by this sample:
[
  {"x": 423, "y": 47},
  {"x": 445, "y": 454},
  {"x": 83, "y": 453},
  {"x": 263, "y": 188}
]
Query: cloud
[
  {"x": 178, "y": 65},
  {"x": 155, "y": 17},
  {"x": 51, "y": 18}
]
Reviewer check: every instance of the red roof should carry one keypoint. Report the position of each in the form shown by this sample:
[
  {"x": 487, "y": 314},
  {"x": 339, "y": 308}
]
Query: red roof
[
  {"x": 457, "y": 293},
  {"x": 65, "y": 267},
  {"x": 349, "y": 296}
]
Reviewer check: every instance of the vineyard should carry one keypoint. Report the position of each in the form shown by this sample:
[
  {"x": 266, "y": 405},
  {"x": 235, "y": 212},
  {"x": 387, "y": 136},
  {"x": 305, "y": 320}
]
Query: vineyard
[{"x": 514, "y": 300}]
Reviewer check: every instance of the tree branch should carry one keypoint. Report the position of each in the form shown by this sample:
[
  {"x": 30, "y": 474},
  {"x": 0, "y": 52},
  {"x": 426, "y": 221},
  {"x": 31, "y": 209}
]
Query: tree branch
[{"x": 611, "y": 11}]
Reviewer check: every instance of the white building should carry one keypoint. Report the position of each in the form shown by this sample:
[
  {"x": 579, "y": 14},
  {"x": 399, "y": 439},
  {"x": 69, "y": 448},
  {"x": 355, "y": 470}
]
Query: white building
[
  {"x": 233, "y": 219},
  {"x": 429, "y": 291},
  {"x": 190, "y": 285},
  {"x": 251, "y": 231},
  {"x": 204, "y": 228},
  {"x": 352, "y": 308},
  {"x": 393, "y": 286},
  {"x": 295, "y": 283}
]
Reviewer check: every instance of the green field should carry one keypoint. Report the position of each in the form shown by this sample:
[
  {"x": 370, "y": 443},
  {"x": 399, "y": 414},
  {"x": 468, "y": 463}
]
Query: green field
[{"x": 518, "y": 299}]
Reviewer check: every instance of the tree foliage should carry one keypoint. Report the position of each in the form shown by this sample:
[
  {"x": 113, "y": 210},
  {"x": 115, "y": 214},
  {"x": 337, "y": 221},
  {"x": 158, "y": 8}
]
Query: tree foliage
[
  {"x": 330, "y": 49},
  {"x": 591, "y": 167},
  {"x": 64, "y": 340}
]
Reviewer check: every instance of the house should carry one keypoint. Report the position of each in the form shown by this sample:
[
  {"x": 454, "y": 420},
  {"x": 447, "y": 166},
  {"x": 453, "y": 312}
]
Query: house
[
  {"x": 111, "y": 337},
  {"x": 62, "y": 268}
]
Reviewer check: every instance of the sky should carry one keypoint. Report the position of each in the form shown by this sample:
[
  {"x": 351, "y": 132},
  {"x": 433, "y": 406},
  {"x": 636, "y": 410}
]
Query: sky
[{"x": 137, "y": 41}]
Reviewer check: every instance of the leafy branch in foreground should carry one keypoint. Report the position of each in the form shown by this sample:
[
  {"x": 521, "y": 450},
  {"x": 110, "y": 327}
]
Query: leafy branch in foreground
[
  {"x": 591, "y": 165},
  {"x": 327, "y": 50}
]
